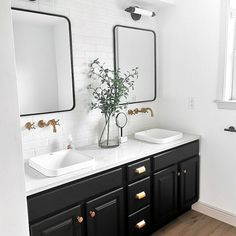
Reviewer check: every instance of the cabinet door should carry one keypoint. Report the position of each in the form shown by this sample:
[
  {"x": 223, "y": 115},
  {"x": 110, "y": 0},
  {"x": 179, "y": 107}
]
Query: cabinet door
[
  {"x": 189, "y": 184},
  {"x": 106, "y": 215},
  {"x": 165, "y": 195},
  {"x": 69, "y": 223}
]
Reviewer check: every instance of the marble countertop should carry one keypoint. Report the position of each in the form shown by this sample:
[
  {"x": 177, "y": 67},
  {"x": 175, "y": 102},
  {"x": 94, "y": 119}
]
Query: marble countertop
[{"x": 104, "y": 159}]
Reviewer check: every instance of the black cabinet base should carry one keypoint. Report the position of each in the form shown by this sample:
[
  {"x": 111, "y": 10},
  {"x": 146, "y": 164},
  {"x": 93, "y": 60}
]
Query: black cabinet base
[{"x": 135, "y": 199}]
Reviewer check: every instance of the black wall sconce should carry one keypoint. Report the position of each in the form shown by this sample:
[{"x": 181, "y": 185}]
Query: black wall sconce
[{"x": 137, "y": 13}]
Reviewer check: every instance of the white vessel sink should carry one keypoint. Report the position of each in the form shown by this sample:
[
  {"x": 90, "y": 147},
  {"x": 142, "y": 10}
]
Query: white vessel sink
[
  {"x": 60, "y": 163},
  {"x": 159, "y": 136}
]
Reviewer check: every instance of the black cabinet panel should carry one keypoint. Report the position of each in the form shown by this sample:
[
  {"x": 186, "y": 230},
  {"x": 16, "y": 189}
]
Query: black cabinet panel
[
  {"x": 139, "y": 170},
  {"x": 65, "y": 196},
  {"x": 189, "y": 185},
  {"x": 175, "y": 155},
  {"x": 140, "y": 223},
  {"x": 139, "y": 195},
  {"x": 165, "y": 194},
  {"x": 65, "y": 223},
  {"x": 106, "y": 215}
]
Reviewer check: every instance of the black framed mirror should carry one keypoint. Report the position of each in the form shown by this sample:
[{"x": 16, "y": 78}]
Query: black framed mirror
[
  {"x": 136, "y": 47},
  {"x": 44, "y": 62}
]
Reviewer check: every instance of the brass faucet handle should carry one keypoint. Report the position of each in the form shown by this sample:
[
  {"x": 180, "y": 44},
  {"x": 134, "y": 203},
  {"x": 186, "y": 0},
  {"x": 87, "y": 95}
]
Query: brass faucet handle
[
  {"x": 30, "y": 125},
  {"x": 57, "y": 122},
  {"x": 130, "y": 112}
]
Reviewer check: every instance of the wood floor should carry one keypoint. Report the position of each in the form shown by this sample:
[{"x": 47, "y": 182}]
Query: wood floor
[{"x": 193, "y": 223}]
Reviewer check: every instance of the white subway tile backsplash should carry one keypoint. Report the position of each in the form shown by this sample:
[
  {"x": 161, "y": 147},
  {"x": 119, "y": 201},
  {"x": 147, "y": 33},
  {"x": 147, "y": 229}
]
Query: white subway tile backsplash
[{"x": 92, "y": 36}]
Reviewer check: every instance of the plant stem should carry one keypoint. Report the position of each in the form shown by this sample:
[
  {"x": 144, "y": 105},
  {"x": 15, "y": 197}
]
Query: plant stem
[
  {"x": 108, "y": 130},
  {"x": 104, "y": 128}
]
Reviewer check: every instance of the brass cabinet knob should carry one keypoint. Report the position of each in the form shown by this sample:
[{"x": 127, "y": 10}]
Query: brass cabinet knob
[
  {"x": 140, "y": 224},
  {"x": 92, "y": 214},
  {"x": 140, "y": 196},
  {"x": 140, "y": 170},
  {"x": 185, "y": 171},
  {"x": 80, "y": 219}
]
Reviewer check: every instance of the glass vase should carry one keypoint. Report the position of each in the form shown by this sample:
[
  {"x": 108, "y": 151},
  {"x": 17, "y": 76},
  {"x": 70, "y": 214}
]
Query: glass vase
[{"x": 109, "y": 137}]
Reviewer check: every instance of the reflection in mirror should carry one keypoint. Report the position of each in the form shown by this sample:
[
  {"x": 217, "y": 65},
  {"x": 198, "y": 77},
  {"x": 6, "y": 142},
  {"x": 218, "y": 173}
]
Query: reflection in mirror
[
  {"x": 137, "y": 48},
  {"x": 43, "y": 61}
]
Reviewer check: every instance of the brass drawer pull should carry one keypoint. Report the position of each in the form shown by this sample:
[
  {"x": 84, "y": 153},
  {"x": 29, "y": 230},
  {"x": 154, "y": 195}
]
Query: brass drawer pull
[
  {"x": 92, "y": 214},
  {"x": 80, "y": 219},
  {"x": 140, "y": 196},
  {"x": 140, "y": 170},
  {"x": 140, "y": 224}
]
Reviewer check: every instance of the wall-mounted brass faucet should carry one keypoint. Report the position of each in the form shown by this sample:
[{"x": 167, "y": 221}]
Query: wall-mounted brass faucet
[
  {"x": 52, "y": 122},
  {"x": 30, "y": 125},
  {"x": 142, "y": 110}
]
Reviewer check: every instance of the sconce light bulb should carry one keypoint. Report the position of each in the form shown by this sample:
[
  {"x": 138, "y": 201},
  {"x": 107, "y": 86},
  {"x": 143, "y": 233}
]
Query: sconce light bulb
[{"x": 137, "y": 12}]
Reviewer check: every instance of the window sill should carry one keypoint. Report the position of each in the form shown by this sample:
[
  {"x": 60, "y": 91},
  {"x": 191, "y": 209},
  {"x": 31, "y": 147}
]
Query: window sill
[{"x": 228, "y": 105}]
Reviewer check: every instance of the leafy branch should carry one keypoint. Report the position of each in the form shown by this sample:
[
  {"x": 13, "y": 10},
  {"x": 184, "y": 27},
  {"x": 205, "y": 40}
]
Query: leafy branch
[{"x": 111, "y": 87}]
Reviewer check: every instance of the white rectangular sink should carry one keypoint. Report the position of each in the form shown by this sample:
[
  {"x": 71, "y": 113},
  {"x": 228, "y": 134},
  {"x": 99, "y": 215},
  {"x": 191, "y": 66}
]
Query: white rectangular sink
[
  {"x": 159, "y": 136},
  {"x": 60, "y": 163}
]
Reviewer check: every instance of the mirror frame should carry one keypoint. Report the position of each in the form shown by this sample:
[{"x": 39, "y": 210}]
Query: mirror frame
[
  {"x": 155, "y": 59},
  {"x": 71, "y": 58}
]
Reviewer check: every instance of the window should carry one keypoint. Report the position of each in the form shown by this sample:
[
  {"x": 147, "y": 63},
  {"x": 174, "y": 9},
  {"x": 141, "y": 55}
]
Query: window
[{"x": 227, "y": 93}]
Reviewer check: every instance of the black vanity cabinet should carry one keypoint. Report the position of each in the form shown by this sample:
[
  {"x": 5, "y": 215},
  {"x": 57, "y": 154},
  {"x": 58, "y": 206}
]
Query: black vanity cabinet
[
  {"x": 133, "y": 199},
  {"x": 175, "y": 182}
]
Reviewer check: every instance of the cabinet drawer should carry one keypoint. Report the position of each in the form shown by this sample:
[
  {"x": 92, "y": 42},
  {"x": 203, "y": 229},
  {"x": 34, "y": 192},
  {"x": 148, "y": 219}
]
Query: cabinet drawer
[
  {"x": 139, "y": 223},
  {"x": 138, "y": 170},
  {"x": 138, "y": 195},
  {"x": 54, "y": 200},
  {"x": 175, "y": 155}
]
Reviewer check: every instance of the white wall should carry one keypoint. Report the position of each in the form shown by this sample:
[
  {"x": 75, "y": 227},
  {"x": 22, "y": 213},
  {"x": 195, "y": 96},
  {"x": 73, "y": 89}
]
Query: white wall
[
  {"x": 13, "y": 211},
  {"x": 189, "y": 48},
  {"x": 92, "y": 31}
]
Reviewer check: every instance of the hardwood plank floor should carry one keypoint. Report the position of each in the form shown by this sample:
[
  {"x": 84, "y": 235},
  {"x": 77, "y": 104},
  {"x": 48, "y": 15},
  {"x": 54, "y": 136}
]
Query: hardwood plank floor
[{"x": 193, "y": 223}]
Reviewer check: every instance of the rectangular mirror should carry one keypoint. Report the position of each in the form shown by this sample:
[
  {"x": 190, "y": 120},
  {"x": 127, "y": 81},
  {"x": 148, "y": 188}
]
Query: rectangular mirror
[
  {"x": 136, "y": 47},
  {"x": 43, "y": 49}
]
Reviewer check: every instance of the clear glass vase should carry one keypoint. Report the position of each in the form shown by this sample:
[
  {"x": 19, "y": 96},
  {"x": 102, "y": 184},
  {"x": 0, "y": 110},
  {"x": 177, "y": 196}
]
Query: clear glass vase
[{"x": 110, "y": 134}]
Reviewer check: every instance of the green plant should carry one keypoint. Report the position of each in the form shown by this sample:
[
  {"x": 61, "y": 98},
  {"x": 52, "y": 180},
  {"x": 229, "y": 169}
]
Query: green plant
[{"x": 109, "y": 87}]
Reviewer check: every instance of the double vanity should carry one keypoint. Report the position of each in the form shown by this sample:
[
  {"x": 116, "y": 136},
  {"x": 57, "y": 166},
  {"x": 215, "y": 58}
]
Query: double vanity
[{"x": 131, "y": 190}]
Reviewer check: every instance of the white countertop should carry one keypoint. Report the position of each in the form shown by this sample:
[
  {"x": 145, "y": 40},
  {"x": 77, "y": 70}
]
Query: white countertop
[{"x": 104, "y": 159}]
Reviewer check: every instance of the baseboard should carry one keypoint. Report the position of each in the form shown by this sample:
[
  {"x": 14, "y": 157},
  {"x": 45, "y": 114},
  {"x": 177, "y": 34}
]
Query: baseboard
[{"x": 216, "y": 213}]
